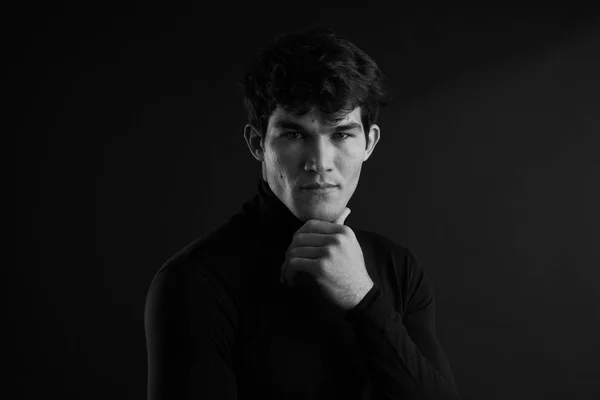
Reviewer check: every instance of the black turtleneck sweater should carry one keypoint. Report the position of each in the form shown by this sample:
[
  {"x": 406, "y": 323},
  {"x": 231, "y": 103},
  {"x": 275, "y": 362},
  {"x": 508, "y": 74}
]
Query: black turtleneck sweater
[{"x": 220, "y": 325}]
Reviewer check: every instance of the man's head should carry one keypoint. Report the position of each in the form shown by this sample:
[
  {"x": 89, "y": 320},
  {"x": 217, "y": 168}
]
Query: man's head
[{"x": 312, "y": 100}]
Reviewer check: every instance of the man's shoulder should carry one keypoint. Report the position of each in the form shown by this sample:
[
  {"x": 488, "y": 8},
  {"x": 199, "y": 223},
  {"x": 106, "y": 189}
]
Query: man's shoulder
[{"x": 215, "y": 255}]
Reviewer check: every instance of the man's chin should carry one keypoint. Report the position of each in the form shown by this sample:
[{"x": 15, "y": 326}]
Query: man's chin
[{"x": 322, "y": 214}]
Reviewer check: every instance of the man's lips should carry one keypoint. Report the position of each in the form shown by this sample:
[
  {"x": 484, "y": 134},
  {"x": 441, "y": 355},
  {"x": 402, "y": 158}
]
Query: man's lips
[{"x": 318, "y": 186}]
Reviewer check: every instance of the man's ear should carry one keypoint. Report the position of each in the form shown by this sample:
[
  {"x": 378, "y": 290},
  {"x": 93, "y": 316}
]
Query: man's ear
[
  {"x": 374, "y": 135},
  {"x": 254, "y": 141}
]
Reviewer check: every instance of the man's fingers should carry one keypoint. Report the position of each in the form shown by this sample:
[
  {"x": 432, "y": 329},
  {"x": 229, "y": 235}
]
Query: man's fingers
[
  {"x": 310, "y": 239},
  {"x": 307, "y": 248},
  {"x": 305, "y": 252},
  {"x": 292, "y": 266}
]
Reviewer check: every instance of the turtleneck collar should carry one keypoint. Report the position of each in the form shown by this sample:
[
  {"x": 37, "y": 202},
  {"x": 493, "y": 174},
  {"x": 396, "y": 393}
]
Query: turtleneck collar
[
  {"x": 276, "y": 222},
  {"x": 274, "y": 213}
]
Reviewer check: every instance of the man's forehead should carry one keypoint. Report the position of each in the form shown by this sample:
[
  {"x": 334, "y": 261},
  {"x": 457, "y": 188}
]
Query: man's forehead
[{"x": 313, "y": 117}]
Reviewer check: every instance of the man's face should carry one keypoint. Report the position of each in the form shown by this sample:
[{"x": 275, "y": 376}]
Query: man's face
[{"x": 305, "y": 150}]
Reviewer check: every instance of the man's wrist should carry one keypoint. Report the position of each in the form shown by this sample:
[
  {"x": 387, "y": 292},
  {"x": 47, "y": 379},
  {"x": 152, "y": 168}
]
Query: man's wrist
[
  {"x": 366, "y": 290},
  {"x": 360, "y": 294}
]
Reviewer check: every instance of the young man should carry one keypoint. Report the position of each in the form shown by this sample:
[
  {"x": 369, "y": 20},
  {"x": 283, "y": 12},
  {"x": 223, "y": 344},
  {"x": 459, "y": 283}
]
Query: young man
[{"x": 285, "y": 301}]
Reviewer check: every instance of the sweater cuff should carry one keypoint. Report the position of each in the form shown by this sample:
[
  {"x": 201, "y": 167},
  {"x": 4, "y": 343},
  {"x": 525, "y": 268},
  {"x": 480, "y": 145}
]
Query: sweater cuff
[{"x": 374, "y": 309}]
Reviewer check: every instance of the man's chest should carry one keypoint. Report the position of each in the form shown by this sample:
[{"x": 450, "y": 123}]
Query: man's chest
[{"x": 295, "y": 343}]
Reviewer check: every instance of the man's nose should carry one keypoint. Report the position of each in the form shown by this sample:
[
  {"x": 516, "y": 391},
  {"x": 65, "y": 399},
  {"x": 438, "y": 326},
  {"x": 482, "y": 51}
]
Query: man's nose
[{"x": 319, "y": 156}]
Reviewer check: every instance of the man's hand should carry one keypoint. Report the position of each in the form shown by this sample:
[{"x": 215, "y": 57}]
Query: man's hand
[{"x": 331, "y": 253}]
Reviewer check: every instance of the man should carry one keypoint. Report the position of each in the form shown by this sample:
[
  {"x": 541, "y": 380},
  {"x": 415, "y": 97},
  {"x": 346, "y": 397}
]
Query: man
[{"x": 286, "y": 301}]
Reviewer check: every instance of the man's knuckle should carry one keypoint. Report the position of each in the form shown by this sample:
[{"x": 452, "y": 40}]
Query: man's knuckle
[{"x": 337, "y": 239}]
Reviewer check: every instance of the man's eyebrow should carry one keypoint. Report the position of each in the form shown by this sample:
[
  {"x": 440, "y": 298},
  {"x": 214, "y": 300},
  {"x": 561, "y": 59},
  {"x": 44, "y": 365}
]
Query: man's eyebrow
[
  {"x": 292, "y": 125},
  {"x": 348, "y": 126}
]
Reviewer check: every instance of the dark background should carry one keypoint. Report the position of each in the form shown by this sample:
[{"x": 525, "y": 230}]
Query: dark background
[{"x": 128, "y": 127}]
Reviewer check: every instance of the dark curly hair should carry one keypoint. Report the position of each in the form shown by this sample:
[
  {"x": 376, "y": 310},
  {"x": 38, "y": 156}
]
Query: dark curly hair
[{"x": 314, "y": 68}]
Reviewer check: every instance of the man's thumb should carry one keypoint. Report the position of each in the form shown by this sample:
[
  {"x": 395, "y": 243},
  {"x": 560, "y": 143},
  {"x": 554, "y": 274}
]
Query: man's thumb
[{"x": 342, "y": 218}]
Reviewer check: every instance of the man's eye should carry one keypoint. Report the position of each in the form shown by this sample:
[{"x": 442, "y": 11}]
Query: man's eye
[
  {"x": 347, "y": 135},
  {"x": 298, "y": 135},
  {"x": 288, "y": 134}
]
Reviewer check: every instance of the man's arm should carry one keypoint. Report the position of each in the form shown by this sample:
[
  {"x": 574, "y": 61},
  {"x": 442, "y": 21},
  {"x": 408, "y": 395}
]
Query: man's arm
[
  {"x": 189, "y": 338},
  {"x": 403, "y": 355}
]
